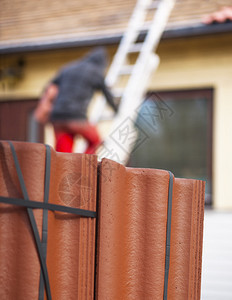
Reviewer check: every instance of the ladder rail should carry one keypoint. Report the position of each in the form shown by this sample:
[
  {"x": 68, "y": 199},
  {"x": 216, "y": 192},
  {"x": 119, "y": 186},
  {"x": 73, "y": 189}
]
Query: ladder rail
[
  {"x": 158, "y": 26},
  {"x": 146, "y": 62},
  {"x": 118, "y": 152},
  {"x": 149, "y": 45},
  {"x": 128, "y": 38}
]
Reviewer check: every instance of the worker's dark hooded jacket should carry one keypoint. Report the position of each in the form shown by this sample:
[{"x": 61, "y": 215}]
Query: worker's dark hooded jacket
[{"x": 77, "y": 83}]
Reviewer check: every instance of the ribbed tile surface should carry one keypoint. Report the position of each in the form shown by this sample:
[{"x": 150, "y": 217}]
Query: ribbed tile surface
[
  {"x": 132, "y": 235},
  {"x": 186, "y": 240},
  {"x": 71, "y": 239}
]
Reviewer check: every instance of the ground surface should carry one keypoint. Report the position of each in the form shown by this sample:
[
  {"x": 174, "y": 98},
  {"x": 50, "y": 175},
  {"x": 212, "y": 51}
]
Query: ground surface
[{"x": 217, "y": 256}]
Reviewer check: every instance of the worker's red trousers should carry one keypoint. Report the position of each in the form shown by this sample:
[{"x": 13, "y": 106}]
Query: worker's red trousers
[{"x": 65, "y": 133}]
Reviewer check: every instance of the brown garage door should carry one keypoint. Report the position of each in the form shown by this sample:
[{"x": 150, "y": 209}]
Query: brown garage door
[{"x": 15, "y": 121}]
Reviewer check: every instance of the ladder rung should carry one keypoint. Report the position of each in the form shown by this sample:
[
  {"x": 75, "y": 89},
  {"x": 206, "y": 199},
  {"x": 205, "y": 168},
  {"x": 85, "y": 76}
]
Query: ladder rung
[
  {"x": 135, "y": 48},
  {"x": 106, "y": 117},
  {"x": 117, "y": 93},
  {"x": 144, "y": 11},
  {"x": 153, "y": 5},
  {"x": 126, "y": 70}
]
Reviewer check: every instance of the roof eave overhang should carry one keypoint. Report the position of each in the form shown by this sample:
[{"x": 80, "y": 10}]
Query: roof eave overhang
[{"x": 110, "y": 39}]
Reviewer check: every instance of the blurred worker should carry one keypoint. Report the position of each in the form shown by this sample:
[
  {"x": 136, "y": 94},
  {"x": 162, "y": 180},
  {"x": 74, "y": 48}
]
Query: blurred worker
[{"x": 67, "y": 97}]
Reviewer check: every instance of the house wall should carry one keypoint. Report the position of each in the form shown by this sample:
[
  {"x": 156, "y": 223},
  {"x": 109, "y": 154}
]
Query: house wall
[{"x": 200, "y": 62}]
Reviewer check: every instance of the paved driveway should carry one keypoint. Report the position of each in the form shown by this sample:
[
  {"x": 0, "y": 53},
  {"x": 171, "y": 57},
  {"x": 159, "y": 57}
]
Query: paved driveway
[{"x": 217, "y": 256}]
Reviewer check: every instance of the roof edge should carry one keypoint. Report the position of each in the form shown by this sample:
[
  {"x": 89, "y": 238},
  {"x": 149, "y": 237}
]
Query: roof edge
[{"x": 110, "y": 39}]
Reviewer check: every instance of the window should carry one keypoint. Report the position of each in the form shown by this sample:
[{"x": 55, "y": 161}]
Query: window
[{"x": 179, "y": 135}]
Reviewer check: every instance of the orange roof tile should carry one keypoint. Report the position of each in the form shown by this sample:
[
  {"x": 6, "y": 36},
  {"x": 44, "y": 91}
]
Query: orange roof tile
[{"x": 23, "y": 21}]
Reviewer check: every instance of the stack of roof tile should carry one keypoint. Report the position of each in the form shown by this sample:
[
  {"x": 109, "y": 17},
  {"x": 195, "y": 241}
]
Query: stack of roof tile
[
  {"x": 150, "y": 234},
  {"x": 68, "y": 241},
  {"x": 149, "y": 229}
]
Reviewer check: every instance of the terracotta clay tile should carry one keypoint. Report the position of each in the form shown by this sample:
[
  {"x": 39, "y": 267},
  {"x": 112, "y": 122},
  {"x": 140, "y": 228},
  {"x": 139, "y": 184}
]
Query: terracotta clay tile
[
  {"x": 186, "y": 239},
  {"x": 132, "y": 239},
  {"x": 132, "y": 234},
  {"x": 71, "y": 239},
  {"x": 19, "y": 264}
]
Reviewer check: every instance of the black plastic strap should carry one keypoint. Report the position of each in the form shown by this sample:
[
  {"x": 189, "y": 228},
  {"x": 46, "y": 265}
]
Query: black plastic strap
[
  {"x": 168, "y": 236},
  {"x": 33, "y": 222},
  {"x": 45, "y": 216},
  {"x": 53, "y": 207}
]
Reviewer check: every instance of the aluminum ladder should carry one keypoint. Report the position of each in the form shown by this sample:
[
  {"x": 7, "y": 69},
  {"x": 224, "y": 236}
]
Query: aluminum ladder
[{"x": 119, "y": 143}]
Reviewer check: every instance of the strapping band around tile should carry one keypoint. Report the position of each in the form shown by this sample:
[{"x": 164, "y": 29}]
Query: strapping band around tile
[
  {"x": 45, "y": 216},
  {"x": 168, "y": 236},
  {"x": 26, "y": 202}
]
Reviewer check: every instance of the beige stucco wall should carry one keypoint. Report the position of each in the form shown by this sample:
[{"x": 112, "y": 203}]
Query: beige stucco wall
[
  {"x": 39, "y": 68},
  {"x": 203, "y": 62}
]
